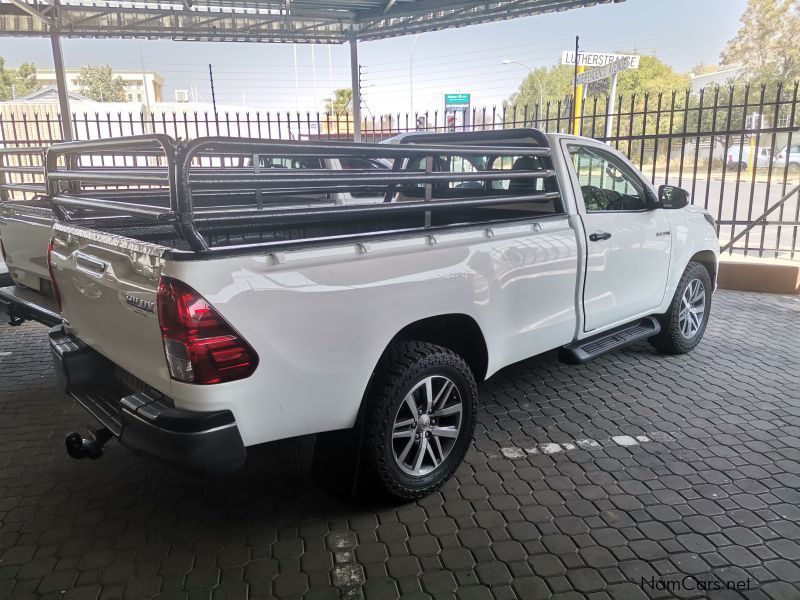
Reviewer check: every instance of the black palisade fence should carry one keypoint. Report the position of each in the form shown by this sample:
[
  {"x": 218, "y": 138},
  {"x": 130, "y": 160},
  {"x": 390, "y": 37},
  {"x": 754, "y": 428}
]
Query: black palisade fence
[{"x": 736, "y": 149}]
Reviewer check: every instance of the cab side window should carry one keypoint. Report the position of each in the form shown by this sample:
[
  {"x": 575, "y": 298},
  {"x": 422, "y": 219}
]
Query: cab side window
[{"x": 606, "y": 183}]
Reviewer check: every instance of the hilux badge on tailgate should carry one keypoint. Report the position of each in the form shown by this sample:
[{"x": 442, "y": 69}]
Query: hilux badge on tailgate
[{"x": 137, "y": 302}]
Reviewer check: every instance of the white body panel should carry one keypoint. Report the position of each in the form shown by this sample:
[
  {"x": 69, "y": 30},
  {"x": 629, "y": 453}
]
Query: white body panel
[
  {"x": 25, "y": 231},
  {"x": 320, "y": 318},
  {"x": 625, "y": 274}
]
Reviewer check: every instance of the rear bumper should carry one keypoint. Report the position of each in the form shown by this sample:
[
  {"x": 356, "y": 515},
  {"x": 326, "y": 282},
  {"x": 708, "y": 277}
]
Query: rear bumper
[
  {"x": 144, "y": 421},
  {"x": 21, "y": 304}
]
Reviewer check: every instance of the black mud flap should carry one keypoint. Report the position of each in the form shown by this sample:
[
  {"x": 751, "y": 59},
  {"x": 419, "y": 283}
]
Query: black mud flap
[{"x": 337, "y": 460}]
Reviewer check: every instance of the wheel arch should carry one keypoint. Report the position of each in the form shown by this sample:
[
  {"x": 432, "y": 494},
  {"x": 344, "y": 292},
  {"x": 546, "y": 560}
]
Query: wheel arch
[
  {"x": 708, "y": 259},
  {"x": 457, "y": 332}
]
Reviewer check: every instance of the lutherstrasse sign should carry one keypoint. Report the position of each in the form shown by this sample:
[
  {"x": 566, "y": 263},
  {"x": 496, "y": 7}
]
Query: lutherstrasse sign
[{"x": 597, "y": 59}]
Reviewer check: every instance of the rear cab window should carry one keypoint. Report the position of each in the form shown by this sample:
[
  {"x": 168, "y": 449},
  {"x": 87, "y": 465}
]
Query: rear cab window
[{"x": 486, "y": 188}]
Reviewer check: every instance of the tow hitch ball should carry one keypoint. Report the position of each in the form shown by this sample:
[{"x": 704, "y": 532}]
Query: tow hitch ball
[{"x": 87, "y": 447}]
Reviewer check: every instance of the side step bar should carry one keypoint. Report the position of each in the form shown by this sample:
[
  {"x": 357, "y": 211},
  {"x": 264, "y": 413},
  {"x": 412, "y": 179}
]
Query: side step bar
[
  {"x": 582, "y": 351},
  {"x": 22, "y": 305}
]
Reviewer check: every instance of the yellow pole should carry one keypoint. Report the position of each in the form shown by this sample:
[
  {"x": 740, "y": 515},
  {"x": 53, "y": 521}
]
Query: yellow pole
[
  {"x": 576, "y": 125},
  {"x": 751, "y": 163}
]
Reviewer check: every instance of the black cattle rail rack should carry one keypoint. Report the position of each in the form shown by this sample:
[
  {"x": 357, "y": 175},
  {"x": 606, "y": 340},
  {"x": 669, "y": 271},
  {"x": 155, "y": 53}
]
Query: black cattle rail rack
[{"x": 208, "y": 185}]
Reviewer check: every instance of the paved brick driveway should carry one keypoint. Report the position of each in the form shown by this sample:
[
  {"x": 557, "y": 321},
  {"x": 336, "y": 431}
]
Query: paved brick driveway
[{"x": 582, "y": 482}]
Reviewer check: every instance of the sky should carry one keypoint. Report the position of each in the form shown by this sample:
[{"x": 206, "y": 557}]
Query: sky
[{"x": 682, "y": 33}]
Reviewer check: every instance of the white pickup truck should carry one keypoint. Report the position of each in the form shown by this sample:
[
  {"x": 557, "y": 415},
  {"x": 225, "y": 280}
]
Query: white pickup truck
[{"x": 196, "y": 326}]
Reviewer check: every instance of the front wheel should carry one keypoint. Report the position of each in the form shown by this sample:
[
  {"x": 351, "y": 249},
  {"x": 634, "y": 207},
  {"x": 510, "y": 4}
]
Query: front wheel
[
  {"x": 683, "y": 325},
  {"x": 419, "y": 419}
]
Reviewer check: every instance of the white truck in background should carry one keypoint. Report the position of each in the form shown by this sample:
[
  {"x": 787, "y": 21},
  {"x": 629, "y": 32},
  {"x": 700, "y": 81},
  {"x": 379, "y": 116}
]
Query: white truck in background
[
  {"x": 26, "y": 220},
  {"x": 220, "y": 309},
  {"x": 25, "y": 228}
]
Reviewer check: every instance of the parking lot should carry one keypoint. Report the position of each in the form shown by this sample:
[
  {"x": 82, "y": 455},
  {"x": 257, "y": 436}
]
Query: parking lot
[{"x": 613, "y": 480}]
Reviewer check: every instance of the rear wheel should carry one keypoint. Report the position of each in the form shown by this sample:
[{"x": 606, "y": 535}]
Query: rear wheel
[
  {"x": 683, "y": 325},
  {"x": 794, "y": 170},
  {"x": 419, "y": 419}
]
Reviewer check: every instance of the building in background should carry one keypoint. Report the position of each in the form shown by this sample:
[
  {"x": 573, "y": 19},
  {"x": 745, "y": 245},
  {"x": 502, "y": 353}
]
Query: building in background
[
  {"x": 721, "y": 77},
  {"x": 49, "y": 95},
  {"x": 144, "y": 88}
]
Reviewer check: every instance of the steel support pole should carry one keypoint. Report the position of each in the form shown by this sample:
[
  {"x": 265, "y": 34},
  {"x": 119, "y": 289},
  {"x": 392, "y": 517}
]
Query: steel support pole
[
  {"x": 61, "y": 84},
  {"x": 356, "y": 87}
]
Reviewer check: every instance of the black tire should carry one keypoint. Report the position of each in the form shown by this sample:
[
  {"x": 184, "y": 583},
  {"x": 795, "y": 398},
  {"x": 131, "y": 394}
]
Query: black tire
[
  {"x": 794, "y": 169},
  {"x": 402, "y": 368},
  {"x": 671, "y": 339}
]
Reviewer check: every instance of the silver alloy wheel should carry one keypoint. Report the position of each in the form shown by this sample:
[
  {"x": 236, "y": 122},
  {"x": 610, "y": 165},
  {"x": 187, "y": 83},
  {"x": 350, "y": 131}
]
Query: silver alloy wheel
[
  {"x": 426, "y": 425},
  {"x": 693, "y": 308}
]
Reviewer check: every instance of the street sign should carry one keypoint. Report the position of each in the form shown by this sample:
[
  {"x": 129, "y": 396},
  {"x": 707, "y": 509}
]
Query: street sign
[
  {"x": 605, "y": 71},
  {"x": 456, "y": 101},
  {"x": 596, "y": 59}
]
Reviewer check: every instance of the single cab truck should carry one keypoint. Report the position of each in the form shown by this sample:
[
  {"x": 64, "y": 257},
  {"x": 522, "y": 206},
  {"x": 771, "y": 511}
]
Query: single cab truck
[{"x": 195, "y": 326}]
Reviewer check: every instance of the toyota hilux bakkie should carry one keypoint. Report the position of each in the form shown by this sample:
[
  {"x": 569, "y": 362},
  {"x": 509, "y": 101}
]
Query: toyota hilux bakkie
[{"x": 220, "y": 306}]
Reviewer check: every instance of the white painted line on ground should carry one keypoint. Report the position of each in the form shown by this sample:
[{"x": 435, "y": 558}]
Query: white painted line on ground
[
  {"x": 513, "y": 452},
  {"x": 626, "y": 441},
  {"x": 588, "y": 444},
  {"x": 550, "y": 448}
]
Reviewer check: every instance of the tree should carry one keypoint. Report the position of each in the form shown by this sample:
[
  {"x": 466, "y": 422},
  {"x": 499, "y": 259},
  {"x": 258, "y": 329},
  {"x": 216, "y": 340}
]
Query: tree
[
  {"x": 543, "y": 86},
  {"x": 704, "y": 69},
  {"x": 15, "y": 83},
  {"x": 100, "y": 85},
  {"x": 766, "y": 44},
  {"x": 652, "y": 77},
  {"x": 342, "y": 101}
]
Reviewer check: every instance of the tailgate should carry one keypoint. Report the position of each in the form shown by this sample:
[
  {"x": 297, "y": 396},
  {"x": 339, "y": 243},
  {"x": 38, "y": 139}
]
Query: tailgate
[
  {"x": 25, "y": 231},
  {"x": 108, "y": 286}
]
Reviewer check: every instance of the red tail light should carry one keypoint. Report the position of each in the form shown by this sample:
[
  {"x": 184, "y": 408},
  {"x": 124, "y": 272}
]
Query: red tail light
[
  {"x": 200, "y": 346},
  {"x": 53, "y": 284}
]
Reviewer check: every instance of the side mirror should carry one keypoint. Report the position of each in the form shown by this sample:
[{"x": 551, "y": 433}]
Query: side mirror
[
  {"x": 613, "y": 174},
  {"x": 670, "y": 196}
]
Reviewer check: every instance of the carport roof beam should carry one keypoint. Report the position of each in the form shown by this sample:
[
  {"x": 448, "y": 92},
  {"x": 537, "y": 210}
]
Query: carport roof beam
[{"x": 310, "y": 21}]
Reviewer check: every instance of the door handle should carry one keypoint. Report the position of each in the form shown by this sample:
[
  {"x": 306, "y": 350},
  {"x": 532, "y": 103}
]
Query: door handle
[
  {"x": 89, "y": 264},
  {"x": 596, "y": 237}
]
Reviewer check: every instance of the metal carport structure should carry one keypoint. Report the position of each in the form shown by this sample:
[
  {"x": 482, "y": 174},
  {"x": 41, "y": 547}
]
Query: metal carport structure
[{"x": 272, "y": 21}]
